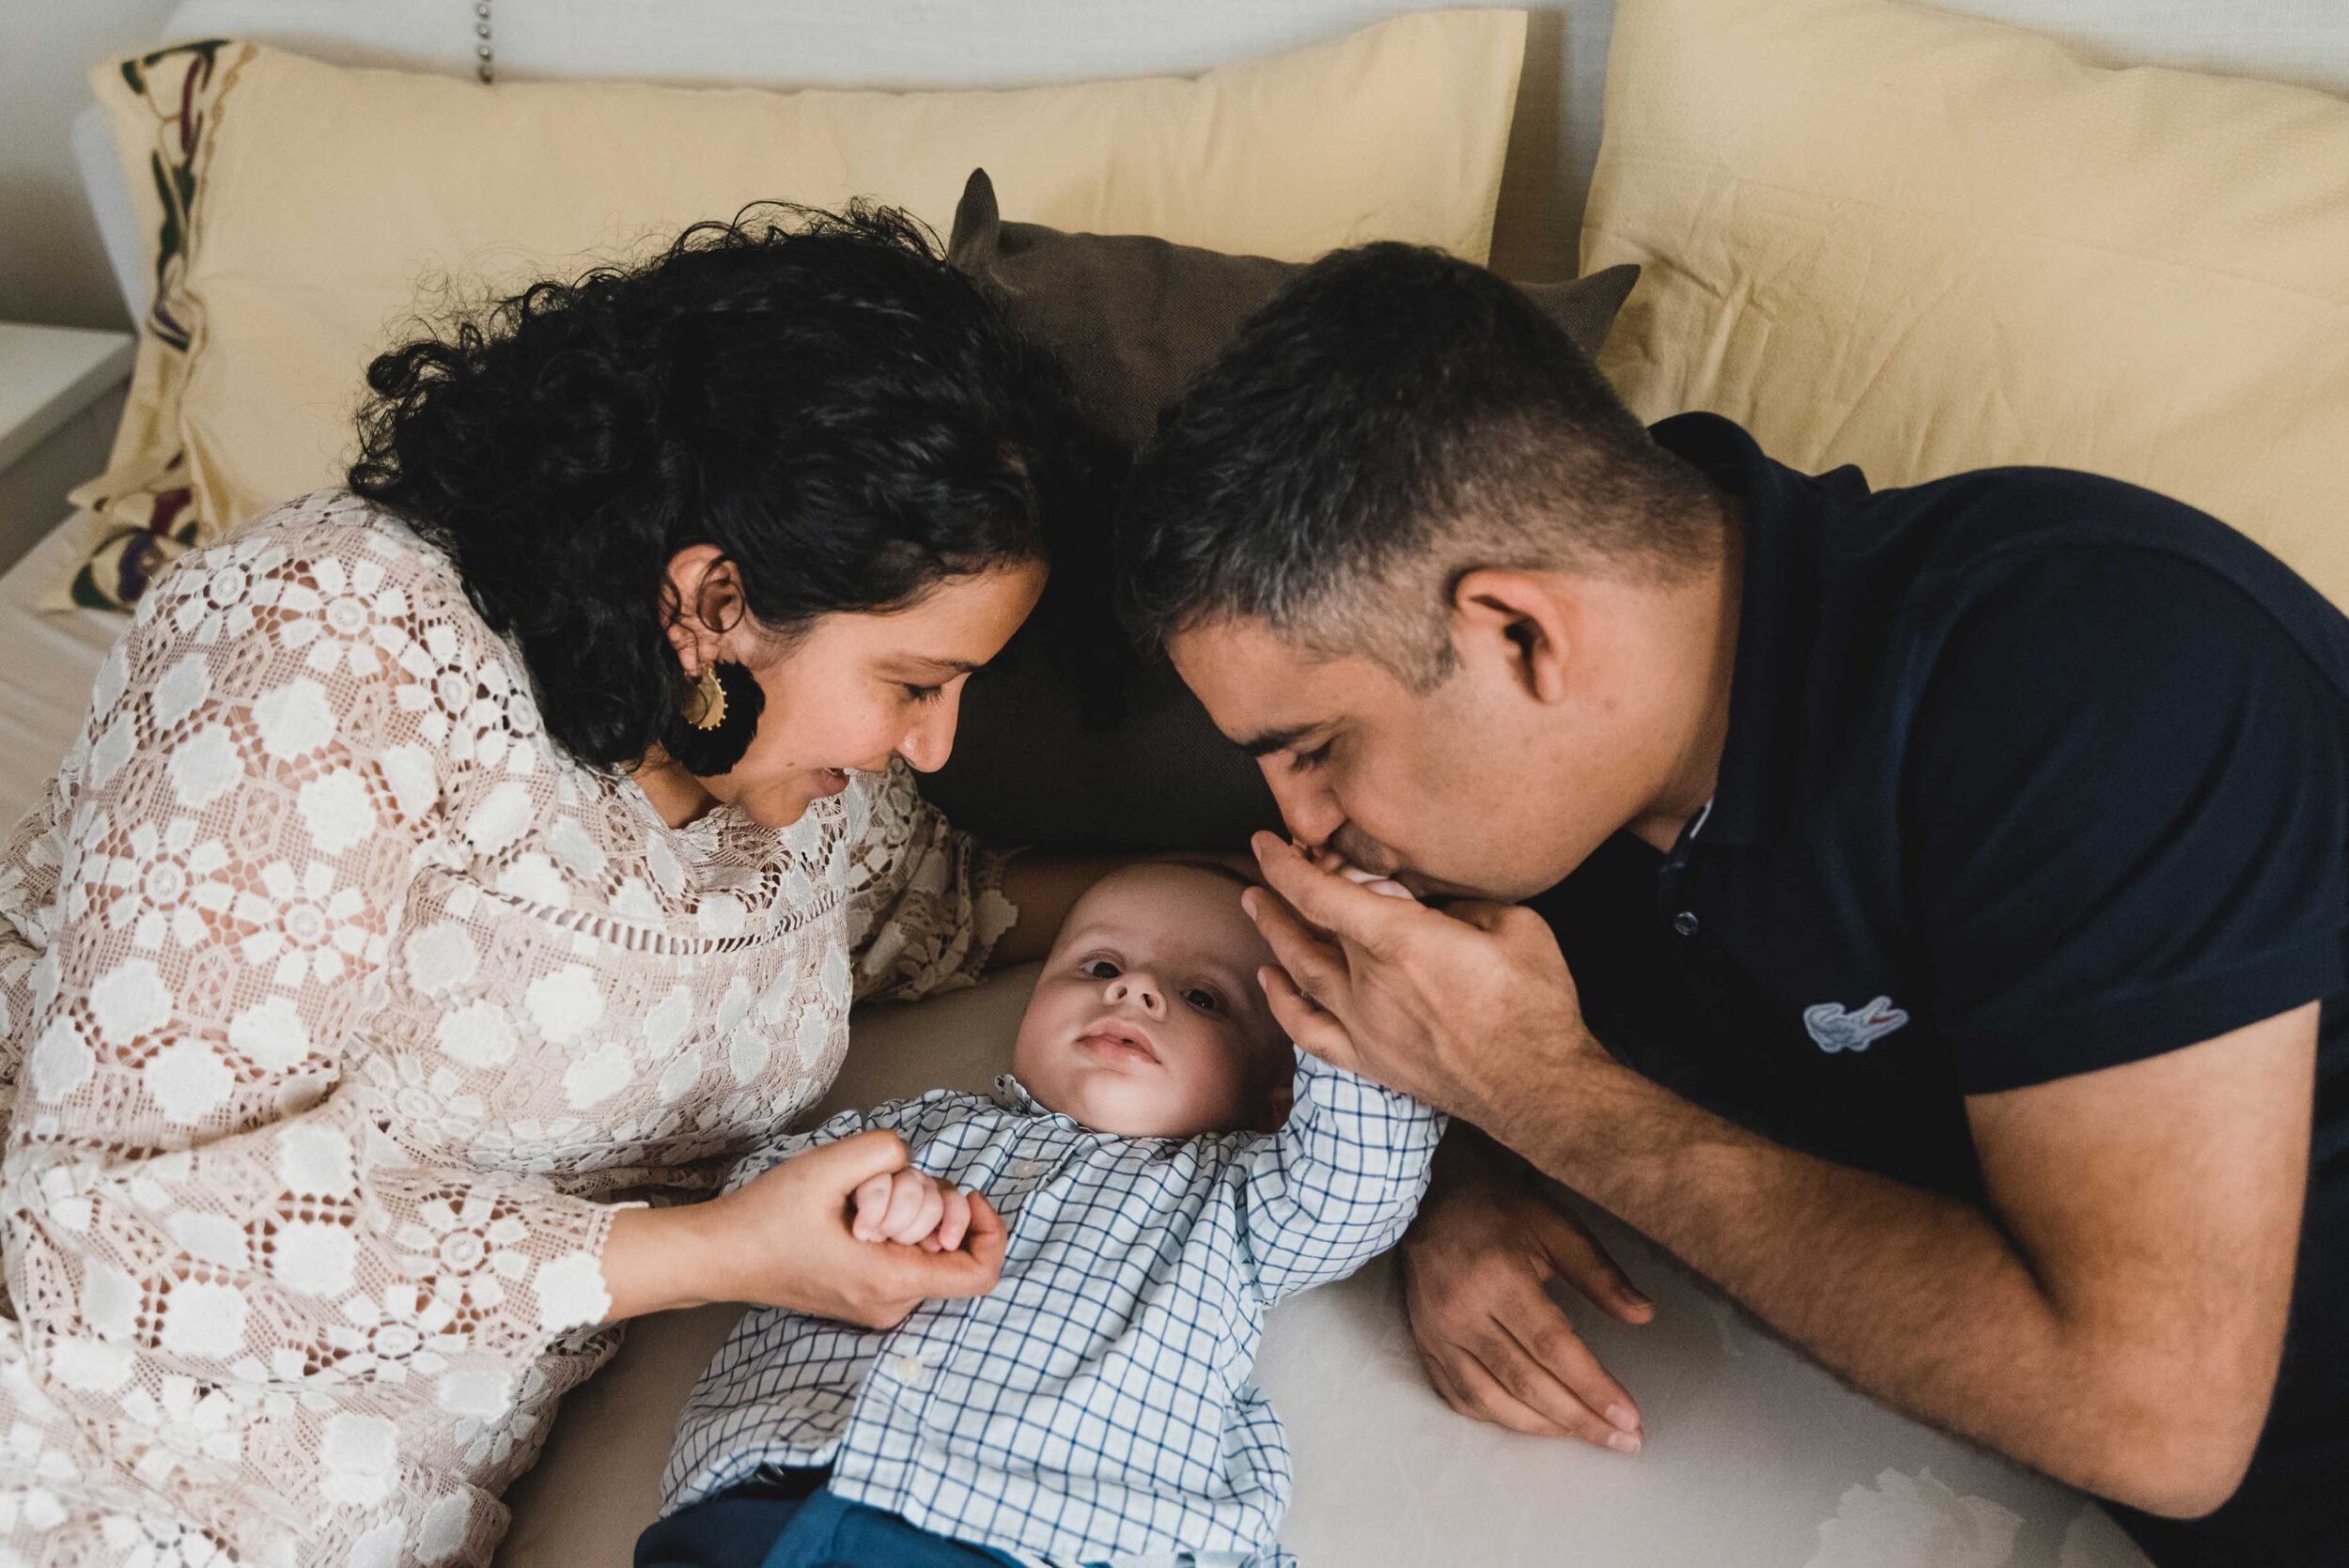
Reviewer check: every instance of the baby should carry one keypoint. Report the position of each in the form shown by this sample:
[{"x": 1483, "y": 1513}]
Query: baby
[{"x": 1167, "y": 1168}]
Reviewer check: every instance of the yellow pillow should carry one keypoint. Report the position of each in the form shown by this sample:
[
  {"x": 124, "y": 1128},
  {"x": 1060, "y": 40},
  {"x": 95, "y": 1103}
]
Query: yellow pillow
[
  {"x": 302, "y": 208},
  {"x": 1925, "y": 244}
]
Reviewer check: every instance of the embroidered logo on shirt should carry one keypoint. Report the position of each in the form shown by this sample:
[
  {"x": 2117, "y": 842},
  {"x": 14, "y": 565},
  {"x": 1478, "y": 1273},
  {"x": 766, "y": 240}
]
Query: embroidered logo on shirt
[{"x": 1836, "y": 1029}]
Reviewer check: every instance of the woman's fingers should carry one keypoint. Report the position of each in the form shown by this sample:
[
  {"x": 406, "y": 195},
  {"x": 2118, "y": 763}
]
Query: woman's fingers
[
  {"x": 870, "y": 1205},
  {"x": 846, "y": 1164},
  {"x": 956, "y": 1221}
]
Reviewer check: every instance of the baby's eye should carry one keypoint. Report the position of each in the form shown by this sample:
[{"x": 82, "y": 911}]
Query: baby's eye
[
  {"x": 1204, "y": 999},
  {"x": 1099, "y": 968}
]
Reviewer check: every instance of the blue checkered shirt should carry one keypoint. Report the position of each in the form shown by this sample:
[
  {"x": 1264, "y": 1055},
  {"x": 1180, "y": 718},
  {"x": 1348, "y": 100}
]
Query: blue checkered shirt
[{"x": 1097, "y": 1407}]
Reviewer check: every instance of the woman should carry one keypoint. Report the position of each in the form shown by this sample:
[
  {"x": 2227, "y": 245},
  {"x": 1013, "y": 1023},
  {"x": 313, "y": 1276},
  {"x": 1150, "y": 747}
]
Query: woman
[{"x": 446, "y": 858}]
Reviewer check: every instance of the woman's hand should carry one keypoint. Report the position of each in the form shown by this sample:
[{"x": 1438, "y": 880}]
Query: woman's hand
[
  {"x": 1477, "y": 1264},
  {"x": 784, "y": 1239}
]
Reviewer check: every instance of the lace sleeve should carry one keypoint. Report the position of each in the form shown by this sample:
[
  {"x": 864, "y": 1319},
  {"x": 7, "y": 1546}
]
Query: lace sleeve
[
  {"x": 28, "y": 880},
  {"x": 925, "y": 901},
  {"x": 266, "y": 764}
]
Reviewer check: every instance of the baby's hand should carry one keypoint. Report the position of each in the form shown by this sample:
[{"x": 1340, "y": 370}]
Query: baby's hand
[
  {"x": 911, "y": 1207},
  {"x": 1330, "y": 860}
]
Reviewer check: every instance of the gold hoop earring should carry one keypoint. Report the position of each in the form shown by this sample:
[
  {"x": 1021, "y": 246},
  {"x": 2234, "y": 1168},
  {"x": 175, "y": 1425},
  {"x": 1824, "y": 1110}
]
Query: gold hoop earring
[{"x": 706, "y": 704}]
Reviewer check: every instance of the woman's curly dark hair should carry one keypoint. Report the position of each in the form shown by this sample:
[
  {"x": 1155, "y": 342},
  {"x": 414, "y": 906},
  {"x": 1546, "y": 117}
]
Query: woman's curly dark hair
[{"x": 846, "y": 418}]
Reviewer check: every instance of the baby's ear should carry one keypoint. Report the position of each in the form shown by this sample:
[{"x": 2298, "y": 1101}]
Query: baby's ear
[{"x": 1283, "y": 1101}]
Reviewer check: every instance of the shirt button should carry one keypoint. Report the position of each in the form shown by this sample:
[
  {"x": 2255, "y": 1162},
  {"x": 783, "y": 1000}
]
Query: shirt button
[
  {"x": 1027, "y": 1170},
  {"x": 910, "y": 1369},
  {"x": 1685, "y": 923}
]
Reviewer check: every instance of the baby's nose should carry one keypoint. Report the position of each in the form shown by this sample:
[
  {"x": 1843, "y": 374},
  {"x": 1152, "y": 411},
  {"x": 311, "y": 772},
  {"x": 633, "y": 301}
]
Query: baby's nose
[{"x": 1139, "y": 989}]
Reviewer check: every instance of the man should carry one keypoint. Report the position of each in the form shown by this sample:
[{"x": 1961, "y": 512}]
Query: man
[{"x": 1963, "y": 869}]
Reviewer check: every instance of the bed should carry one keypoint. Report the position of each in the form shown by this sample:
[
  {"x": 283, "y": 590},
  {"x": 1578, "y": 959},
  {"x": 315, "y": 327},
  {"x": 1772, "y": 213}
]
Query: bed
[{"x": 1756, "y": 1458}]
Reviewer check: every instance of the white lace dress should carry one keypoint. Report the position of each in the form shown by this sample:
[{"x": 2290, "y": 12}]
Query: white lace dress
[{"x": 341, "y": 1007}]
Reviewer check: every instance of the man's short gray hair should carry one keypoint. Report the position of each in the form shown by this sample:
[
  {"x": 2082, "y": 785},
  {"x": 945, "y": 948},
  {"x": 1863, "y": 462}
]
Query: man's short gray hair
[{"x": 1392, "y": 421}]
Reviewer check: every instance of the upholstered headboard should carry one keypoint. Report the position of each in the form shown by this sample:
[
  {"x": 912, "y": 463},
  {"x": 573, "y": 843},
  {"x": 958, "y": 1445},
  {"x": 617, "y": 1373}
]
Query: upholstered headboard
[{"x": 906, "y": 43}]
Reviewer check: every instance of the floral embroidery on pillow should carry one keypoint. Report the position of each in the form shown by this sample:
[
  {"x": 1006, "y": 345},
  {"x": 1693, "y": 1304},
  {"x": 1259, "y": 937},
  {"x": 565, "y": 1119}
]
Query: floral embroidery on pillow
[{"x": 145, "y": 503}]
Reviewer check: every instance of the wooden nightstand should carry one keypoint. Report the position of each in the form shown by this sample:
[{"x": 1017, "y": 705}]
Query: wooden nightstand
[{"x": 61, "y": 391}]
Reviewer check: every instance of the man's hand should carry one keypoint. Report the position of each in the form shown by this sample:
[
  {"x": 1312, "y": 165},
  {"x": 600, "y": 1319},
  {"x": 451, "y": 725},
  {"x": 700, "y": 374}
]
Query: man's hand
[
  {"x": 1476, "y": 1267},
  {"x": 910, "y": 1208},
  {"x": 1470, "y": 1009}
]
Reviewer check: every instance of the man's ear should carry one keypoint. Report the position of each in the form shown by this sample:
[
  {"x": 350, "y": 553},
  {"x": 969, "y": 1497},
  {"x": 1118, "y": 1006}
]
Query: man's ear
[
  {"x": 1520, "y": 620},
  {"x": 701, "y": 599}
]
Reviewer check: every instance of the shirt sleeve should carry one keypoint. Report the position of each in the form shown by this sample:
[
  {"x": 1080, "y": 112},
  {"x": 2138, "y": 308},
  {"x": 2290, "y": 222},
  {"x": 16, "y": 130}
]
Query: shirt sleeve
[
  {"x": 927, "y": 904},
  {"x": 2129, "y": 802},
  {"x": 1338, "y": 1184},
  {"x": 250, "y": 800}
]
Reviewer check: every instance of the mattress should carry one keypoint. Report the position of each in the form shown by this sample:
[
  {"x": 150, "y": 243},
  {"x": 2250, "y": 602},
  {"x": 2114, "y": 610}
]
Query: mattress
[
  {"x": 1755, "y": 1458},
  {"x": 48, "y": 659}
]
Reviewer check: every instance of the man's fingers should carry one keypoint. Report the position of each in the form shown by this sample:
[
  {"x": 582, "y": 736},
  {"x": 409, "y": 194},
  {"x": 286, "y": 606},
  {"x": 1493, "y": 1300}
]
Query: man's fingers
[
  {"x": 1446, "y": 1373},
  {"x": 1316, "y": 967},
  {"x": 1312, "y": 1029},
  {"x": 1577, "y": 1258},
  {"x": 1554, "y": 1367},
  {"x": 1327, "y": 899},
  {"x": 1483, "y": 914},
  {"x": 1482, "y": 1396},
  {"x": 1531, "y": 1350}
]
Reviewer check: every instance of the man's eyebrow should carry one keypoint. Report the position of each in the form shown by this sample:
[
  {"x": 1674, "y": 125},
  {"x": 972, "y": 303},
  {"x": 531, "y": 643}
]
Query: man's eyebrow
[{"x": 1276, "y": 740}]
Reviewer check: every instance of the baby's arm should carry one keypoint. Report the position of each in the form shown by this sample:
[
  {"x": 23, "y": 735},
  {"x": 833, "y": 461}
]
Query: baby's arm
[{"x": 1338, "y": 1185}]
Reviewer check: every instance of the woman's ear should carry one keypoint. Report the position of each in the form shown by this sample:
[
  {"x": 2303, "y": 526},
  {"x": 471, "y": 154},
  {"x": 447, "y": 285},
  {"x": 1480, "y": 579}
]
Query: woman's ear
[
  {"x": 701, "y": 599},
  {"x": 1283, "y": 1101},
  {"x": 1519, "y": 621}
]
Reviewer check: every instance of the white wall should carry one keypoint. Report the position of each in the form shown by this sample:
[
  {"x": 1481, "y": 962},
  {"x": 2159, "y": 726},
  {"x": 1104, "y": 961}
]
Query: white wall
[{"x": 50, "y": 266}]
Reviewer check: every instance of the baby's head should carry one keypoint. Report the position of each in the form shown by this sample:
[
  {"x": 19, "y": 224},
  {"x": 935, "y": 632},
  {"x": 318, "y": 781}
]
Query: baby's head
[{"x": 1148, "y": 1021}]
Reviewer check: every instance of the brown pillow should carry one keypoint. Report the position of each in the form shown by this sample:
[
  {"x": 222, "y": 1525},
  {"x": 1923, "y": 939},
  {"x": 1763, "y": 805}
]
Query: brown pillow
[{"x": 1134, "y": 318}]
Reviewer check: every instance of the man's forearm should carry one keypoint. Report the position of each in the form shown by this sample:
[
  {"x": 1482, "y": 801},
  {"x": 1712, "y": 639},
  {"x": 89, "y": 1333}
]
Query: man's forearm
[{"x": 1916, "y": 1296}]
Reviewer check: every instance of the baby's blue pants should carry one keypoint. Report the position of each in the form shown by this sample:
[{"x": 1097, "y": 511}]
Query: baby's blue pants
[{"x": 746, "y": 1530}]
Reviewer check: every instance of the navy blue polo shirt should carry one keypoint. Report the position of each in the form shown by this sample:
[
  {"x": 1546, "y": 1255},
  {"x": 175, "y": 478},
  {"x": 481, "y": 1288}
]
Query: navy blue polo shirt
[{"x": 2028, "y": 773}]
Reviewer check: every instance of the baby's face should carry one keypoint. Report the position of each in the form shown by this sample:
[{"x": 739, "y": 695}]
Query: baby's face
[{"x": 1148, "y": 1021}]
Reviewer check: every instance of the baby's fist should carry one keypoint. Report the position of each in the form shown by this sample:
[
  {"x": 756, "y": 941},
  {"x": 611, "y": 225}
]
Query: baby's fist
[{"x": 910, "y": 1208}]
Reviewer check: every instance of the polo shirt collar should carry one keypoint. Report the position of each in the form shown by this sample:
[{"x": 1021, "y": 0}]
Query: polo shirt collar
[{"x": 1777, "y": 611}]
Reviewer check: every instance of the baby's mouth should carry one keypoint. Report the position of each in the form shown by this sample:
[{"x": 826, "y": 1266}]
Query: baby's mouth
[{"x": 1119, "y": 1040}]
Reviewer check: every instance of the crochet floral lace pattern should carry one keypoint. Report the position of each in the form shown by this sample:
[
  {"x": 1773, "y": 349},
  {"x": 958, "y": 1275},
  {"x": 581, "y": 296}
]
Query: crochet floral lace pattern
[{"x": 339, "y": 1006}]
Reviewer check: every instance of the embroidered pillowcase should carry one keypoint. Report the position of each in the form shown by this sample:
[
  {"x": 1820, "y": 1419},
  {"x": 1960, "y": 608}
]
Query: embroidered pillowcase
[{"x": 299, "y": 210}]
